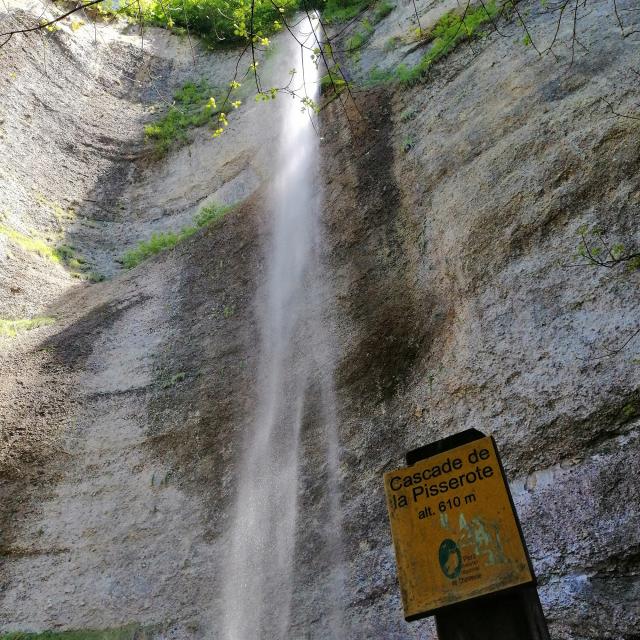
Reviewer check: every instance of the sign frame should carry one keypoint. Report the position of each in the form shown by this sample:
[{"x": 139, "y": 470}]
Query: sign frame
[{"x": 437, "y": 448}]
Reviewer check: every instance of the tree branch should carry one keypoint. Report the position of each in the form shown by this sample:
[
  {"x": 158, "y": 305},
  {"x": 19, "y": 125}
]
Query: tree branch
[{"x": 9, "y": 34}]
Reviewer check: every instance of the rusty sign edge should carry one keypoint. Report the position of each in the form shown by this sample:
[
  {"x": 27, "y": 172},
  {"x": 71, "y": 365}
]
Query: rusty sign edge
[{"x": 511, "y": 582}]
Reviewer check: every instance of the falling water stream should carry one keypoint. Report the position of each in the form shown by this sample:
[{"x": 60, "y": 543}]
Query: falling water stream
[{"x": 295, "y": 379}]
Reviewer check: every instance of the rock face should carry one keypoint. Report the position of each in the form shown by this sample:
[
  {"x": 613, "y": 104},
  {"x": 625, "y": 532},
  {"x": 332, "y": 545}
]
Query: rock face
[{"x": 451, "y": 219}]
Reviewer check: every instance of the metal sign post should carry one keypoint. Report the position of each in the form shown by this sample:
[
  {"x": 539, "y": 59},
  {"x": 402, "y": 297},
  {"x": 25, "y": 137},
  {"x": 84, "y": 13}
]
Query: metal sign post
[{"x": 459, "y": 547}]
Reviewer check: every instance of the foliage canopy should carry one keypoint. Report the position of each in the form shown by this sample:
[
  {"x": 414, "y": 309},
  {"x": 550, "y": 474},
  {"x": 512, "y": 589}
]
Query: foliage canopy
[{"x": 217, "y": 22}]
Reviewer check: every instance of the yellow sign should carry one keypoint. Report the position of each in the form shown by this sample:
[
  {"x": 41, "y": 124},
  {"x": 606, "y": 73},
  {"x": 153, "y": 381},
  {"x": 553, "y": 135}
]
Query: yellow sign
[{"x": 454, "y": 529}]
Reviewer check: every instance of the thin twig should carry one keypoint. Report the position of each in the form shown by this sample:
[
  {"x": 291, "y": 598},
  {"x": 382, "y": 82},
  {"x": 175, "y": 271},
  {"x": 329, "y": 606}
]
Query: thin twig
[
  {"x": 617, "y": 113},
  {"x": 10, "y": 34},
  {"x": 609, "y": 353}
]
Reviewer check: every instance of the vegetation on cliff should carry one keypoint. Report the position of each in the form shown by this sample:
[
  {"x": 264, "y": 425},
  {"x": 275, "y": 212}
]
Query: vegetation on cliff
[
  {"x": 60, "y": 253},
  {"x": 450, "y": 30},
  {"x": 194, "y": 105},
  {"x": 159, "y": 242},
  {"x": 128, "y": 632},
  {"x": 13, "y": 327}
]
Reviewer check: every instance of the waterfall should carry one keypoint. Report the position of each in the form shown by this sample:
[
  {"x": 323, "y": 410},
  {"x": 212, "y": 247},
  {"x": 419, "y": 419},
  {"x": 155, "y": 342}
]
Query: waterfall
[{"x": 295, "y": 378}]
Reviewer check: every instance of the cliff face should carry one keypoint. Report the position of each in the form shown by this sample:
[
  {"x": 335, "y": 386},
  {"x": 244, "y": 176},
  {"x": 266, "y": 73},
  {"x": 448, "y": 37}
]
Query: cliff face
[
  {"x": 452, "y": 212},
  {"x": 455, "y": 226}
]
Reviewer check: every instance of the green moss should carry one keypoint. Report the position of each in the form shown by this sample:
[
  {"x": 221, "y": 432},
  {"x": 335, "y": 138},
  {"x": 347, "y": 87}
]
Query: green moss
[
  {"x": 449, "y": 31},
  {"x": 359, "y": 37},
  {"x": 382, "y": 10},
  {"x": 92, "y": 276},
  {"x": 156, "y": 244},
  {"x": 160, "y": 242},
  {"x": 173, "y": 380},
  {"x": 12, "y": 328},
  {"x": 194, "y": 105},
  {"x": 379, "y": 77},
  {"x": 629, "y": 411},
  {"x": 408, "y": 114},
  {"x": 129, "y": 632},
  {"x": 61, "y": 254},
  {"x": 342, "y": 10},
  {"x": 210, "y": 214},
  {"x": 356, "y": 41},
  {"x": 35, "y": 245},
  {"x": 634, "y": 264},
  {"x": 333, "y": 80},
  {"x": 392, "y": 43}
]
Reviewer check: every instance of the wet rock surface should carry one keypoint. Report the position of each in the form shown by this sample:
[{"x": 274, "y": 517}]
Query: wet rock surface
[{"x": 450, "y": 233}]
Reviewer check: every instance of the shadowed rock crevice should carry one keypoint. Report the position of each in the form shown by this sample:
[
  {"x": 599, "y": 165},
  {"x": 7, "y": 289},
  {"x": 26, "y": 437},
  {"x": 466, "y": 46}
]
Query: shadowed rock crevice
[
  {"x": 372, "y": 241},
  {"x": 194, "y": 422}
]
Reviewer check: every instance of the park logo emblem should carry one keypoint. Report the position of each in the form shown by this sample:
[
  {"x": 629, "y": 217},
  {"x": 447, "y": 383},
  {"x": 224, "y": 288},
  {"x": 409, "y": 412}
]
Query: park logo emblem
[{"x": 450, "y": 558}]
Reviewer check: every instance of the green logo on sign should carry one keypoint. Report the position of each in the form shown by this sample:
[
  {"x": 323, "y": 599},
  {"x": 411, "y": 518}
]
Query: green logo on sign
[{"x": 450, "y": 559}]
